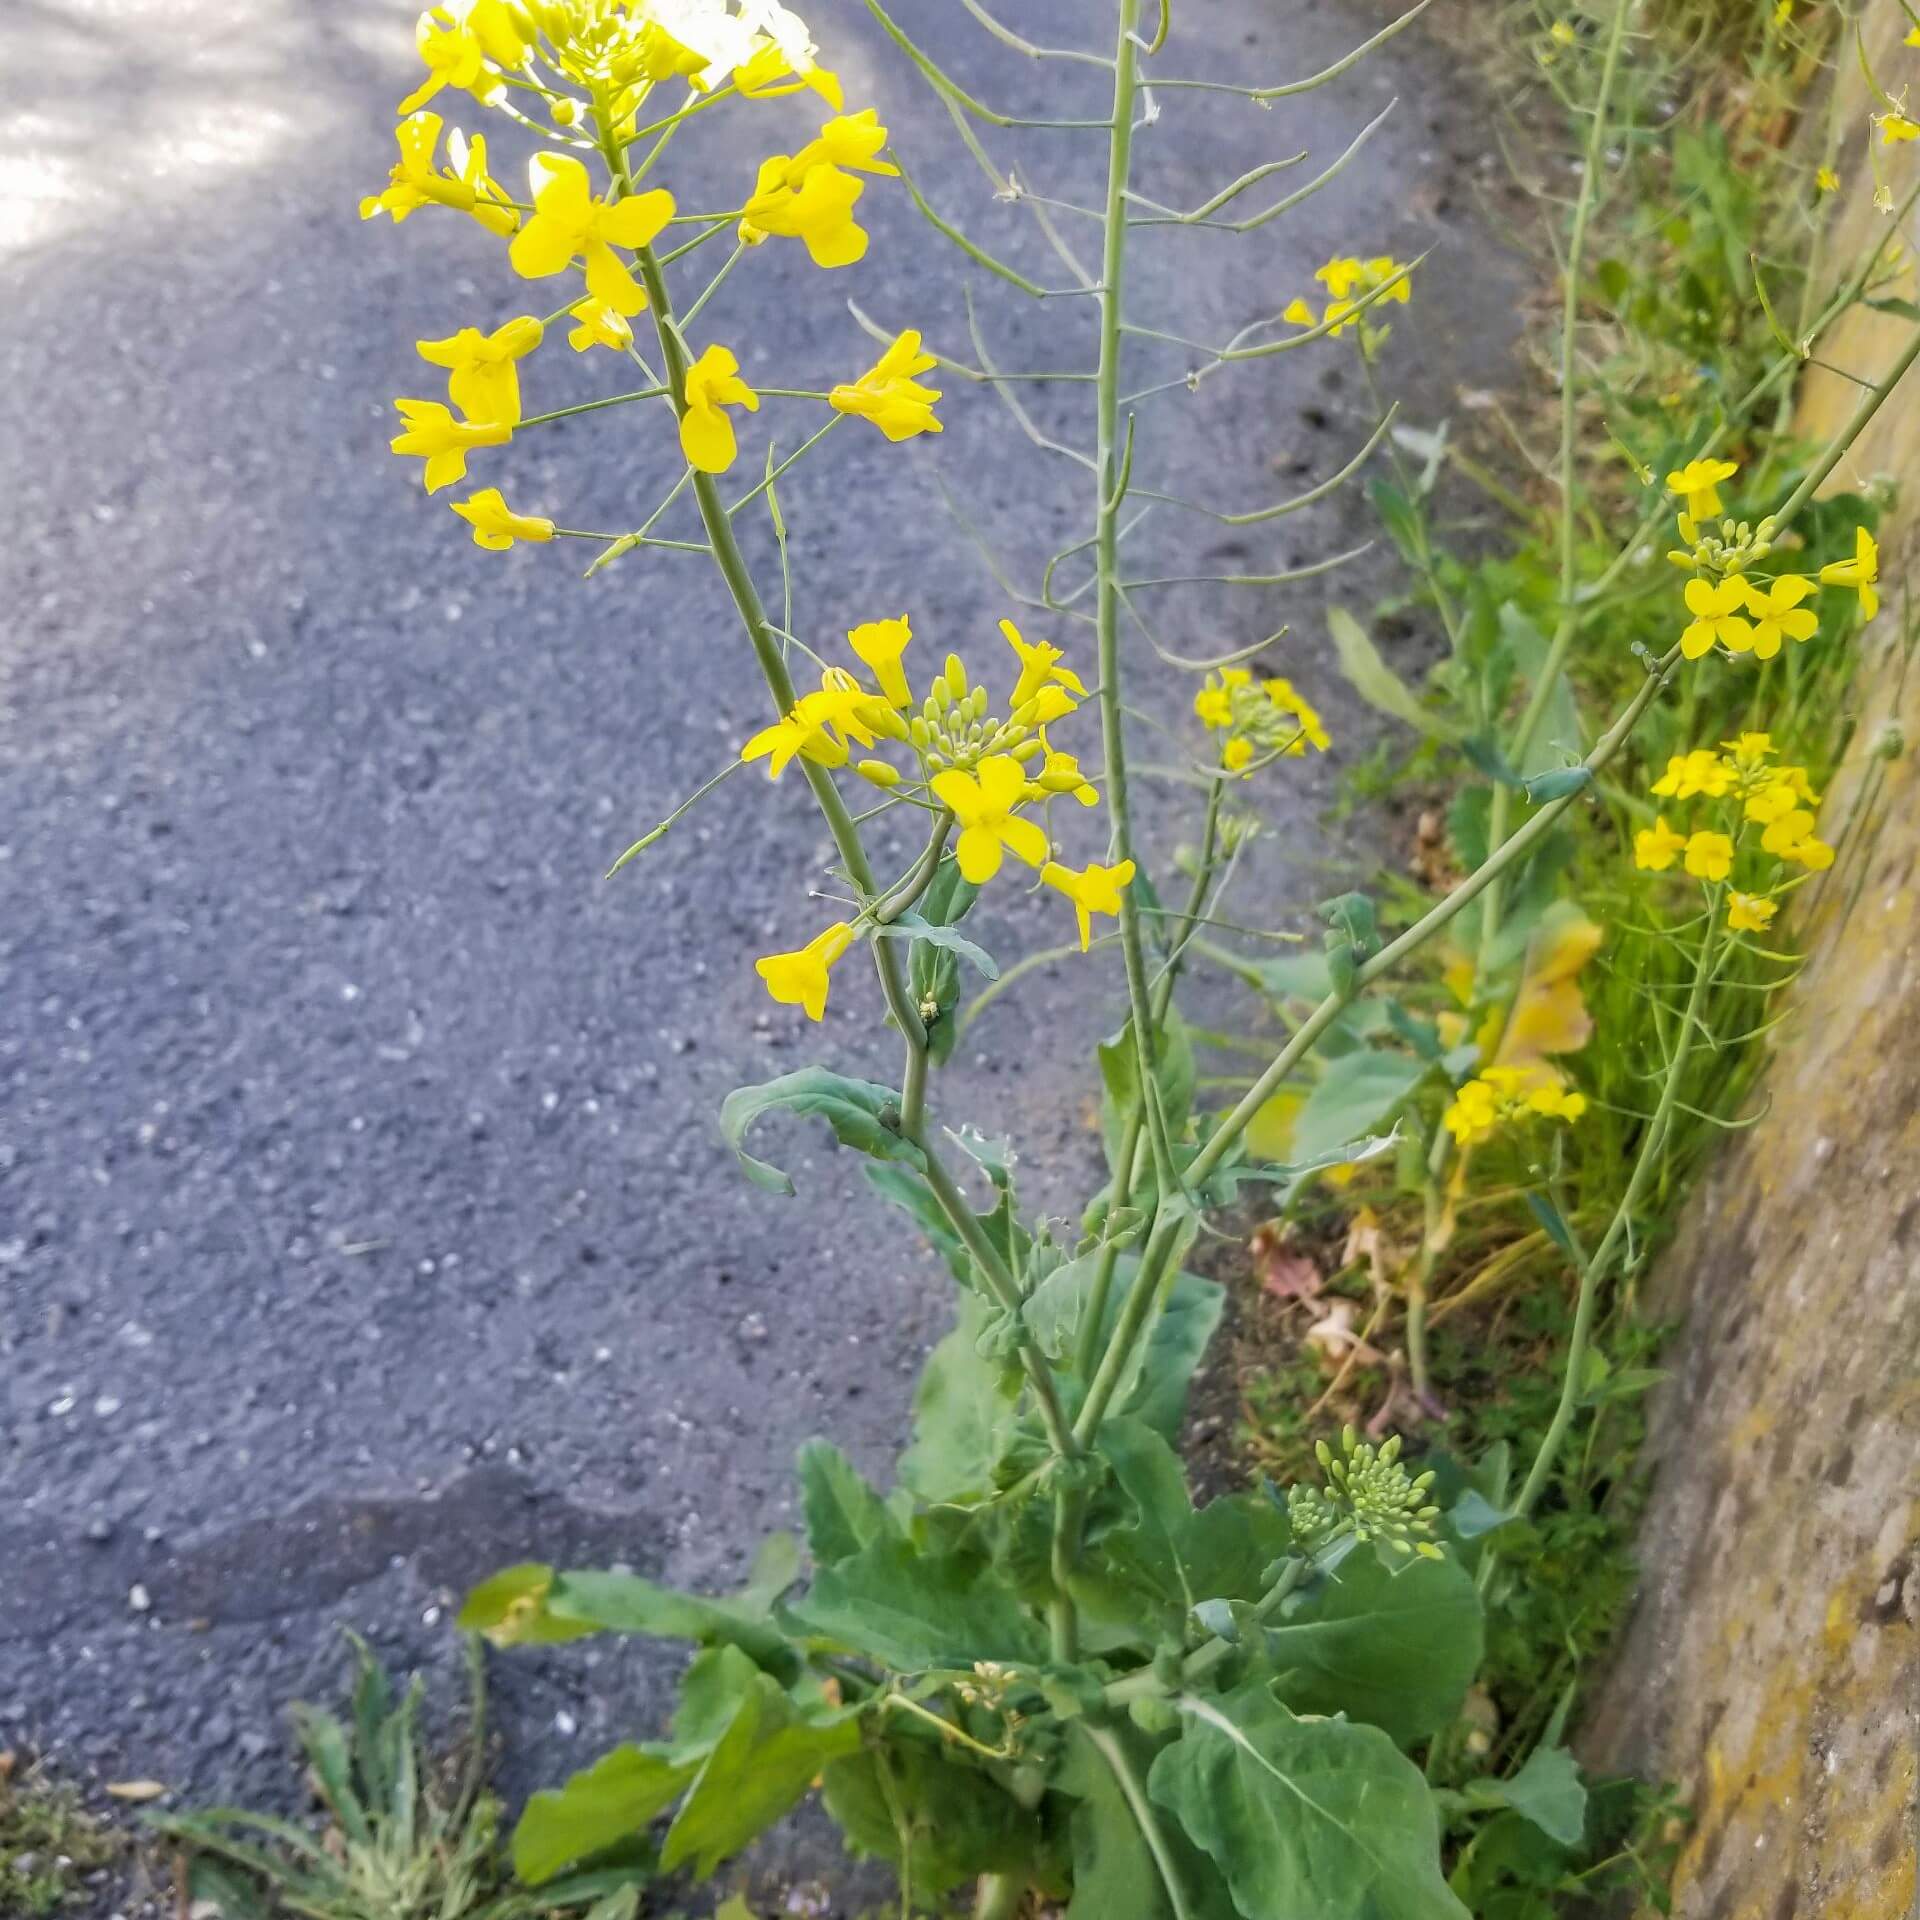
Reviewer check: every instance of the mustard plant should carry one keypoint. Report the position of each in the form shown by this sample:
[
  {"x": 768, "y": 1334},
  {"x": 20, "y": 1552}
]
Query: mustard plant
[{"x": 1035, "y": 1667}]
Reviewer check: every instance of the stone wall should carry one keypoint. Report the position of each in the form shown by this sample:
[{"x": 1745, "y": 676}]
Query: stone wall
[{"x": 1772, "y": 1669}]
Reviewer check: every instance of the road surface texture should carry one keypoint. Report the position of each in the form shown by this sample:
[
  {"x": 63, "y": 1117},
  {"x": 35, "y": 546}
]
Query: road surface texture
[{"x": 363, "y": 1219}]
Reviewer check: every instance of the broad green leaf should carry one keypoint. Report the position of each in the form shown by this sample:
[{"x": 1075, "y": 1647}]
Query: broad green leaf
[
  {"x": 911, "y": 1194},
  {"x": 1395, "y": 1649},
  {"x": 910, "y": 1611},
  {"x": 1377, "y": 684},
  {"x": 861, "y": 1114},
  {"x": 1114, "y": 1875},
  {"x": 776, "y": 1566},
  {"x": 963, "y": 1414},
  {"x": 910, "y": 926},
  {"x": 843, "y": 1513},
  {"x": 607, "y": 1803},
  {"x": 1306, "y": 1817},
  {"x": 1356, "y": 1095},
  {"x": 625, "y": 1603},
  {"x": 1547, "y": 1790},
  {"x": 1174, "y": 1072},
  {"x": 959, "y": 1823},
  {"x": 510, "y": 1608},
  {"x": 1560, "y": 735}
]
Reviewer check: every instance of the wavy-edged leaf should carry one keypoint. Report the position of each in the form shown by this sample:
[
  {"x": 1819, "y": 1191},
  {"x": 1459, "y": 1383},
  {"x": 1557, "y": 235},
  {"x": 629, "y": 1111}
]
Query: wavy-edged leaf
[
  {"x": 844, "y": 1514},
  {"x": 862, "y": 1115},
  {"x": 910, "y": 926}
]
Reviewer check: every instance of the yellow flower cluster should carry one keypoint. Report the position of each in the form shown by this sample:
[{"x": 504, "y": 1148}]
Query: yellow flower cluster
[
  {"x": 592, "y": 66},
  {"x": 988, "y": 773},
  {"x": 1257, "y": 720},
  {"x": 1501, "y": 1095},
  {"x": 1353, "y": 286},
  {"x": 1778, "y": 800}
]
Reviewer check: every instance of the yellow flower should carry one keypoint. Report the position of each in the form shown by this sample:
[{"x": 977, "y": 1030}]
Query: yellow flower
[
  {"x": 1785, "y": 790},
  {"x": 848, "y": 140},
  {"x": 1473, "y": 1115},
  {"x": 1896, "y": 128},
  {"x": 1341, "y": 275},
  {"x": 1236, "y": 753},
  {"x": 706, "y": 432},
  {"x": 1039, "y": 667},
  {"x": 432, "y": 434},
  {"x": 1826, "y": 181},
  {"x": 808, "y": 728},
  {"x": 889, "y": 396},
  {"x": 1501, "y": 1094},
  {"x": 599, "y": 326},
  {"x": 983, "y": 803},
  {"x": 1655, "y": 848},
  {"x": 1562, "y": 33},
  {"x": 1698, "y": 483},
  {"x": 1748, "y": 913},
  {"x": 800, "y": 979},
  {"x": 1556, "y": 1102},
  {"x": 569, "y": 222},
  {"x": 454, "y": 56},
  {"x": 1701, "y": 771},
  {"x": 818, "y": 212},
  {"x": 1060, "y": 774},
  {"x": 467, "y": 187},
  {"x": 1709, "y": 855},
  {"x": 482, "y": 379},
  {"x": 495, "y": 525},
  {"x": 1283, "y": 696},
  {"x": 1778, "y": 614},
  {"x": 878, "y": 645},
  {"x": 1094, "y": 890},
  {"x": 1862, "y": 571},
  {"x": 1213, "y": 704},
  {"x": 1749, "y": 751},
  {"x": 1296, "y": 313},
  {"x": 1791, "y": 837},
  {"x": 1716, "y": 616}
]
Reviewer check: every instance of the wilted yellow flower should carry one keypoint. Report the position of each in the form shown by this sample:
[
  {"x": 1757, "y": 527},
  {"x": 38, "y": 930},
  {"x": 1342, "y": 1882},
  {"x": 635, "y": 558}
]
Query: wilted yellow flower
[
  {"x": 1896, "y": 128},
  {"x": 983, "y": 803},
  {"x": 852, "y": 140},
  {"x": 1862, "y": 572},
  {"x": 598, "y": 325},
  {"x": 1715, "y": 607},
  {"x": 483, "y": 381},
  {"x": 1701, "y": 771},
  {"x": 495, "y": 526},
  {"x": 1748, "y": 913},
  {"x": 467, "y": 187},
  {"x": 1657, "y": 847},
  {"x": 1778, "y": 614},
  {"x": 878, "y": 645},
  {"x": 569, "y": 222},
  {"x": 1039, "y": 667},
  {"x": 800, "y": 979},
  {"x": 1709, "y": 855},
  {"x": 818, "y": 212},
  {"x": 887, "y": 393},
  {"x": 1093, "y": 890},
  {"x": 432, "y": 434},
  {"x": 1698, "y": 484},
  {"x": 706, "y": 431}
]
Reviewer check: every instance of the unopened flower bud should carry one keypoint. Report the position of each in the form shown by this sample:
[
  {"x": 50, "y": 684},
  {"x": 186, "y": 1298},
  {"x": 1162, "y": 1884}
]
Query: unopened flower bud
[
  {"x": 877, "y": 773},
  {"x": 956, "y": 678},
  {"x": 919, "y": 733},
  {"x": 565, "y": 112}
]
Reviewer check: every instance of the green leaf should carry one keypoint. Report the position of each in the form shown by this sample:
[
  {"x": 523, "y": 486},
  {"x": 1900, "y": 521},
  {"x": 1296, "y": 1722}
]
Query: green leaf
[
  {"x": 1174, "y": 1074},
  {"x": 963, "y": 1414},
  {"x": 776, "y": 1566},
  {"x": 1305, "y": 1817},
  {"x": 1547, "y": 1790},
  {"x": 910, "y": 926},
  {"x": 1559, "y": 734},
  {"x": 910, "y": 1611},
  {"x": 1357, "y": 1094},
  {"x": 625, "y": 1603},
  {"x": 843, "y": 1513},
  {"x": 1377, "y": 684},
  {"x": 510, "y": 1608},
  {"x": 861, "y": 1114},
  {"x": 1154, "y": 1386},
  {"x": 1395, "y": 1649},
  {"x": 1114, "y": 1875},
  {"x": 596, "y": 1809}
]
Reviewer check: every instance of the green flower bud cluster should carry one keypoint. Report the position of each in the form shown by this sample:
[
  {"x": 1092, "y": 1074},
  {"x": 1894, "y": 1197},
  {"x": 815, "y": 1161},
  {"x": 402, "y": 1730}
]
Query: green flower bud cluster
[
  {"x": 1736, "y": 547},
  {"x": 1370, "y": 1495},
  {"x": 954, "y": 729}
]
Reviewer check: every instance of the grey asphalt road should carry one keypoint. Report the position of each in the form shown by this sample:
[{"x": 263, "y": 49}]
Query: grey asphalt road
[{"x": 363, "y": 1221}]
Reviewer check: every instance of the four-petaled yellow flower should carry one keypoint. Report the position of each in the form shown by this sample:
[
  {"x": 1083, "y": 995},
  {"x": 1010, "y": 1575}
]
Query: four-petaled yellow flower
[
  {"x": 598, "y": 325},
  {"x": 1698, "y": 484},
  {"x": 1236, "y": 753},
  {"x": 1060, "y": 774},
  {"x": 850, "y": 140},
  {"x": 1862, "y": 572},
  {"x": 818, "y": 212},
  {"x": 1791, "y": 837},
  {"x": 888, "y": 394},
  {"x": 1716, "y": 617},
  {"x": 466, "y": 188},
  {"x": 453, "y": 44},
  {"x": 983, "y": 803},
  {"x": 432, "y": 434},
  {"x": 1213, "y": 704},
  {"x": 878, "y": 645},
  {"x": 1701, "y": 771},
  {"x": 1778, "y": 614},
  {"x": 1500, "y": 1094},
  {"x": 482, "y": 379},
  {"x": 1709, "y": 855},
  {"x": 569, "y": 222},
  {"x": 806, "y": 730},
  {"x": 1896, "y": 128},
  {"x": 800, "y": 979},
  {"x": 1748, "y": 913},
  {"x": 1094, "y": 890},
  {"x": 1284, "y": 696},
  {"x": 1039, "y": 667},
  {"x": 706, "y": 430},
  {"x": 495, "y": 525},
  {"x": 1657, "y": 847}
]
